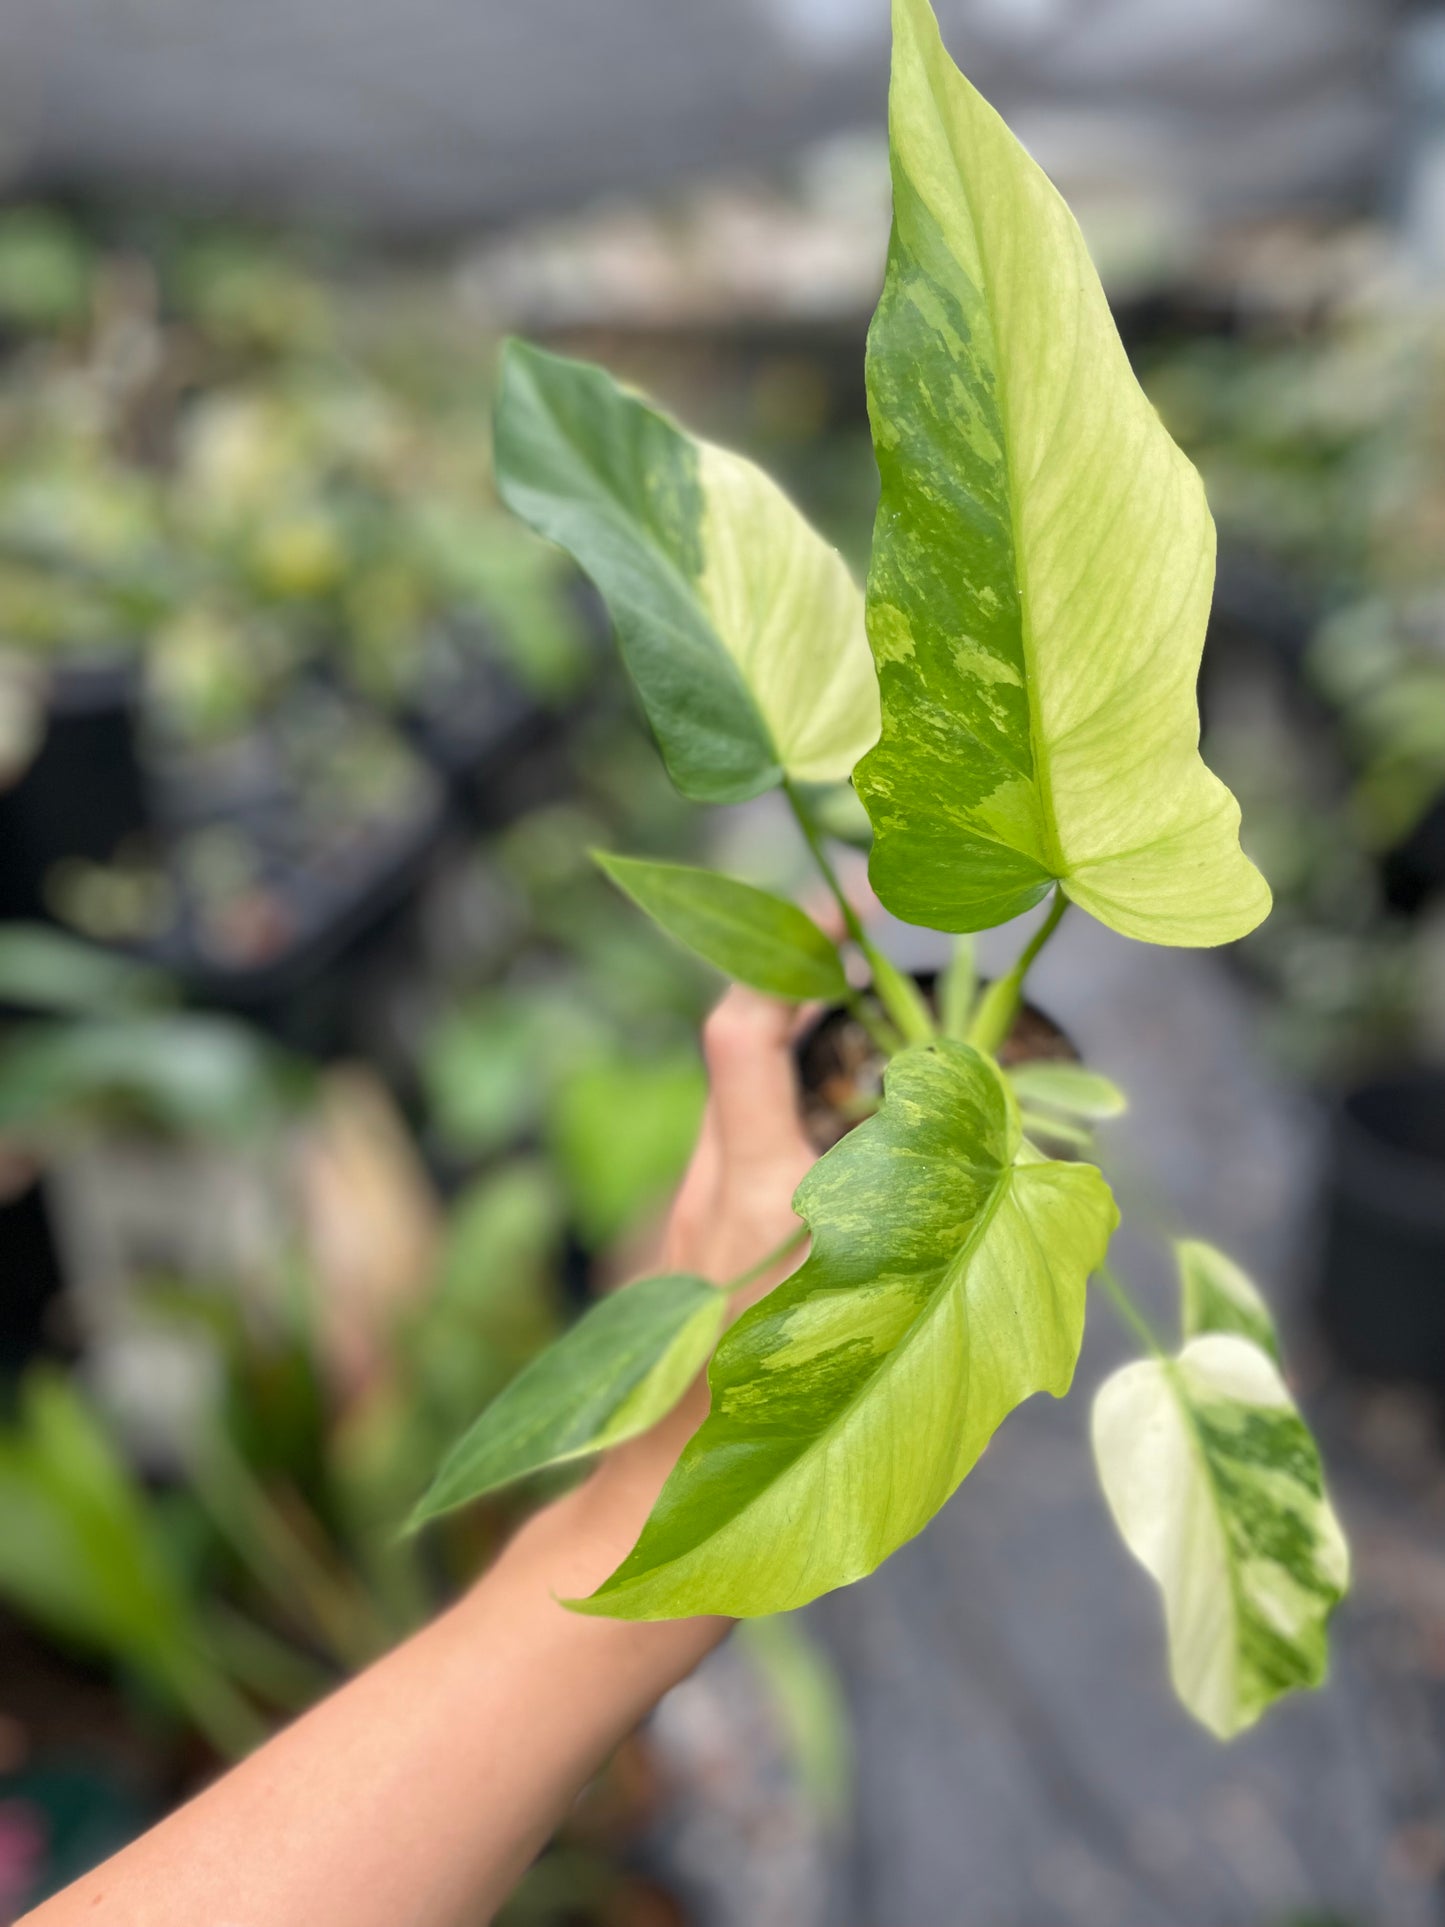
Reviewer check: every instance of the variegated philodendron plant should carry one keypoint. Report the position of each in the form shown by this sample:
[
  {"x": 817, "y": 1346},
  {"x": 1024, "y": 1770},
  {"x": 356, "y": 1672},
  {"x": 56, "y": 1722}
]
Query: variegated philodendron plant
[{"x": 1014, "y": 702}]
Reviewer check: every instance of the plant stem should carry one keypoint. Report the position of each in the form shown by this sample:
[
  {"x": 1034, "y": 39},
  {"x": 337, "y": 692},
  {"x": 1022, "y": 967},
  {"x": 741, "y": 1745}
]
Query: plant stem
[
  {"x": 907, "y": 1012},
  {"x": 883, "y": 1035},
  {"x": 820, "y": 856},
  {"x": 769, "y": 1261},
  {"x": 1128, "y": 1310},
  {"x": 1000, "y": 1002}
]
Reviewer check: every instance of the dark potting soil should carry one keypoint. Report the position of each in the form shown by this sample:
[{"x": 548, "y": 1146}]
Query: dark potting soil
[{"x": 840, "y": 1068}]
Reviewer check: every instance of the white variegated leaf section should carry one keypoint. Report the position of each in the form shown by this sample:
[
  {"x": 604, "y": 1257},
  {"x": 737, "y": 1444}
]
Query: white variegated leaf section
[{"x": 1215, "y": 1484}]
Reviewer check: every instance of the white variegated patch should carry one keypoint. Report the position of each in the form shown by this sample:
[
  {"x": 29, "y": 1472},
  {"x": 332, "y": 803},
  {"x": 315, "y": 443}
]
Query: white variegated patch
[{"x": 1214, "y": 1482}]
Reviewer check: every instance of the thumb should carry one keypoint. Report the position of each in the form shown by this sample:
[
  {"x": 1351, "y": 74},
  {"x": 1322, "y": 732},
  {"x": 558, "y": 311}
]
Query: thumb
[{"x": 747, "y": 1042}]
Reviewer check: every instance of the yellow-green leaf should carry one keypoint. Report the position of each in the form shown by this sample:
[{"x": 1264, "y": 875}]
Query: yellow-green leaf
[
  {"x": 945, "y": 1285},
  {"x": 1043, "y": 561}
]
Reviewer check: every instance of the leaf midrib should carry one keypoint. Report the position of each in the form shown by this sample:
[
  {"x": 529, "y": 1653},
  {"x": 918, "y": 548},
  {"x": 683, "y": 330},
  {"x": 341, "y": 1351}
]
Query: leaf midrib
[
  {"x": 692, "y": 586},
  {"x": 947, "y": 1283},
  {"x": 1037, "y": 748}
]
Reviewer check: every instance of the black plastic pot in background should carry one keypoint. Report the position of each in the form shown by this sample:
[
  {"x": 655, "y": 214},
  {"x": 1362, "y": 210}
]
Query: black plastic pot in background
[
  {"x": 1413, "y": 873},
  {"x": 84, "y": 794},
  {"x": 1382, "y": 1278},
  {"x": 30, "y": 1266}
]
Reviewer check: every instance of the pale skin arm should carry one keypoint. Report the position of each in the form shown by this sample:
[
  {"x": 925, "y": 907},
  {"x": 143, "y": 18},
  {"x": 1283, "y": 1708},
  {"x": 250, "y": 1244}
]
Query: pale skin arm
[{"x": 420, "y": 1792}]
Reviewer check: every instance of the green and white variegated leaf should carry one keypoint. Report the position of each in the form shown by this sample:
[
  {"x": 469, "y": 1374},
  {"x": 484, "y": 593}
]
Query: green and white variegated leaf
[
  {"x": 1216, "y": 1296},
  {"x": 754, "y": 936},
  {"x": 1070, "y": 1088},
  {"x": 1042, "y": 566},
  {"x": 945, "y": 1285},
  {"x": 1215, "y": 1484},
  {"x": 740, "y": 626},
  {"x": 616, "y": 1372}
]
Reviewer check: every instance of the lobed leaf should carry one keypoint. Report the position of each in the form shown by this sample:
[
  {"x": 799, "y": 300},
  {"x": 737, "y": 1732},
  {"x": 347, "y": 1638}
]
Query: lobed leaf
[
  {"x": 1042, "y": 566},
  {"x": 944, "y": 1286},
  {"x": 740, "y": 626},
  {"x": 1216, "y": 1296},
  {"x": 754, "y": 936},
  {"x": 616, "y": 1372},
  {"x": 1215, "y": 1483}
]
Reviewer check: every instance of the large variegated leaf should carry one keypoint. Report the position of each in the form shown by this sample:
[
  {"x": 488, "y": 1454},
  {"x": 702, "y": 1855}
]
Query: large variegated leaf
[
  {"x": 1216, "y": 1296},
  {"x": 1215, "y": 1484},
  {"x": 945, "y": 1285},
  {"x": 1042, "y": 566},
  {"x": 741, "y": 627},
  {"x": 616, "y": 1372}
]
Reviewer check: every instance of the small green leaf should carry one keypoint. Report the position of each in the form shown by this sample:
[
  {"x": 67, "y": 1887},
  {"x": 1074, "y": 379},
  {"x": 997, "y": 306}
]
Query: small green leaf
[
  {"x": 1069, "y": 1088},
  {"x": 1215, "y": 1484},
  {"x": 754, "y": 936},
  {"x": 740, "y": 626},
  {"x": 1043, "y": 1129},
  {"x": 958, "y": 987},
  {"x": 945, "y": 1284},
  {"x": 1042, "y": 563},
  {"x": 620, "y": 1368},
  {"x": 1216, "y": 1296}
]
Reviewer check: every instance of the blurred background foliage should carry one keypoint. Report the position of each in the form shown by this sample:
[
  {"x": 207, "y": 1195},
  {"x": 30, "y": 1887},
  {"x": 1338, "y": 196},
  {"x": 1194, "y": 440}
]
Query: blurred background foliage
[{"x": 333, "y": 1076}]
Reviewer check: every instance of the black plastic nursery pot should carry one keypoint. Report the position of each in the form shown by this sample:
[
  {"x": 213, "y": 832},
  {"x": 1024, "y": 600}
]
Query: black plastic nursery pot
[
  {"x": 31, "y": 1267},
  {"x": 1413, "y": 873},
  {"x": 84, "y": 794},
  {"x": 1382, "y": 1274},
  {"x": 840, "y": 1068}
]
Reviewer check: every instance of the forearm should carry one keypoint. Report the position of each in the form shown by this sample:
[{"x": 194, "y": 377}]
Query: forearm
[{"x": 420, "y": 1792}]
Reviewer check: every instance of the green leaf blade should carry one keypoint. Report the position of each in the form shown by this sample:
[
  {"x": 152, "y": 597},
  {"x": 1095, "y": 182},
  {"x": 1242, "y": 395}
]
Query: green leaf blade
[
  {"x": 945, "y": 1285},
  {"x": 753, "y": 936},
  {"x": 1043, "y": 562},
  {"x": 1217, "y": 1296},
  {"x": 739, "y": 625},
  {"x": 1215, "y": 1485},
  {"x": 1072, "y": 1089},
  {"x": 615, "y": 1373}
]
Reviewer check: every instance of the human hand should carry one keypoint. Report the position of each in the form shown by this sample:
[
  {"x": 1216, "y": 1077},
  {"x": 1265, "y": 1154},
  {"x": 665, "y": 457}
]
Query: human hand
[{"x": 732, "y": 1210}]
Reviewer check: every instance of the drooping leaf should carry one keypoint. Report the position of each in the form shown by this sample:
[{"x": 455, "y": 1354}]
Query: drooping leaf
[
  {"x": 1069, "y": 1088},
  {"x": 619, "y": 1369},
  {"x": 1216, "y": 1296},
  {"x": 945, "y": 1284},
  {"x": 754, "y": 936},
  {"x": 740, "y": 626},
  {"x": 1215, "y": 1484},
  {"x": 1042, "y": 563}
]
